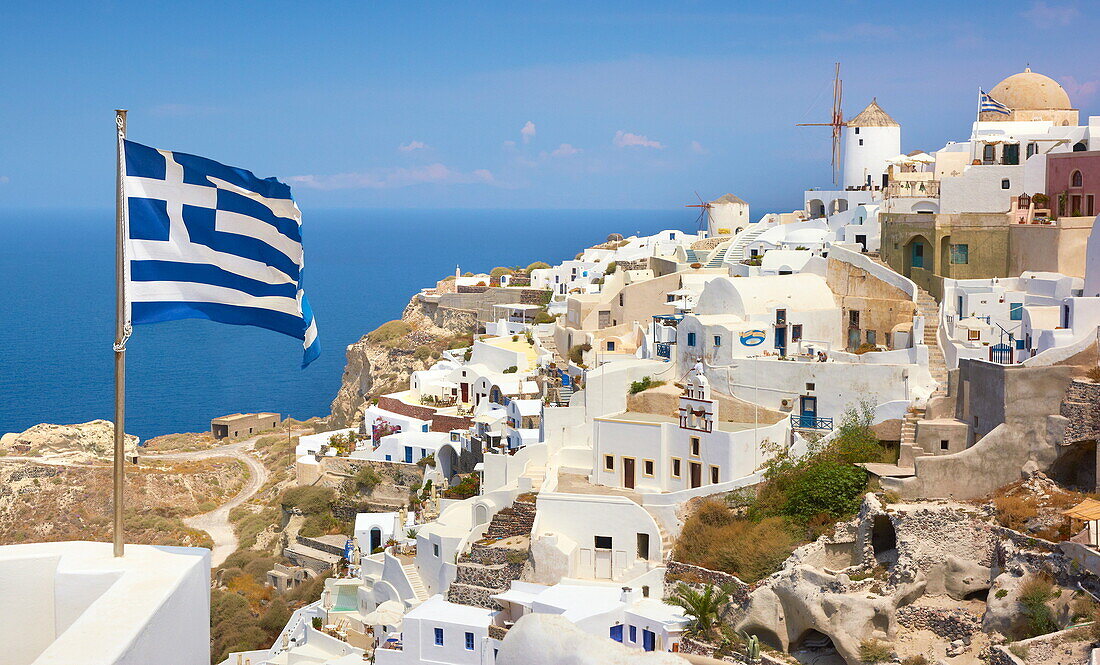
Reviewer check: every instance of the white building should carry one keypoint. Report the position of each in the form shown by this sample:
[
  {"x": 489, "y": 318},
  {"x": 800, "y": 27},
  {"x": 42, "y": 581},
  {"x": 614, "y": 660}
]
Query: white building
[
  {"x": 870, "y": 140},
  {"x": 656, "y": 453},
  {"x": 438, "y": 631},
  {"x": 74, "y": 602}
]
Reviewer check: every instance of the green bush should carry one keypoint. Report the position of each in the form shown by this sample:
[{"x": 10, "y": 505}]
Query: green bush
[
  {"x": 423, "y": 352},
  {"x": 318, "y": 524},
  {"x": 310, "y": 499},
  {"x": 367, "y": 479},
  {"x": 1034, "y": 594},
  {"x": 427, "y": 460},
  {"x": 611, "y": 268},
  {"x": 577, "y": 351},
  {"x": 275, "y": 617},
  {"x": 495, "y": 273},
  {"x": 389, "y": 331},
  {"x": 543, "y": 317},
  {"x": 538, "y": 265},
  {"x": 644, "y": 384},
  {"x": 465, "y": 489},
  {"x": 826, "y": 486},
  {"x": 510, "y": 370}
]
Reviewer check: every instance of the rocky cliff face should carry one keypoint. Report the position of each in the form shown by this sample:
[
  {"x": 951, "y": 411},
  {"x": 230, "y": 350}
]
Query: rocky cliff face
[
  {"x": 378, "y": 366},
  {"x": 83, "y": 442}
]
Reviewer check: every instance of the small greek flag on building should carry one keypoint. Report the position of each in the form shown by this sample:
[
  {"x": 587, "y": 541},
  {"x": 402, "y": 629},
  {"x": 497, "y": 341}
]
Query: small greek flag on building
[
  {"x": 210, "y": 241},
  {"x": 987, "y": 103}
]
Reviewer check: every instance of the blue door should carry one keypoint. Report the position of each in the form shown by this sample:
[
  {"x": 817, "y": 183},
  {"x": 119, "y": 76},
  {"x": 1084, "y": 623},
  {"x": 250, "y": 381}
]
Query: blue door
[
  {"x": 408, "y": 454},
  {"x": 617, "y": 633},
  {"x": 781, "y": 340},
  {"x": 649, "y": 640},
  {"x": 808, "y": 411}
]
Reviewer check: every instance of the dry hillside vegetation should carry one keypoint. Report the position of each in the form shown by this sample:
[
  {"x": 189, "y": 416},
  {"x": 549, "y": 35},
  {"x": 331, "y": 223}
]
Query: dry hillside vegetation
[
  {"x": 1034, "y": 506},
  {"x": 45, "y": 502}
]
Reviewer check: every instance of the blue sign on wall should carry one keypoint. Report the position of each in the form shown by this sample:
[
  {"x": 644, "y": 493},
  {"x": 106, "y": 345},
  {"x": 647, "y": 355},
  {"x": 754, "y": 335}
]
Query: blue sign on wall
[{"x": 753, "y": 337}]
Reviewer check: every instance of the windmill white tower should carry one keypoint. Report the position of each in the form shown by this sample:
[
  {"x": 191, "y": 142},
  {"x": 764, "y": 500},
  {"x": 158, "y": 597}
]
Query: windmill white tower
[{"x": 872, "y": 137}]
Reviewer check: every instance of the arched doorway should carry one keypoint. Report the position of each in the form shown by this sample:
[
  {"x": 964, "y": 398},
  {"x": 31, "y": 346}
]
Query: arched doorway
[
  {"x": 917, "y": 253},
  {"x": 481, "y": 514},
  {"x": 817, "y": 208},
  {"x": 884, "y": 539},
  {"x": 375, "y": 538},
  {"x": 816, "y": 648}
]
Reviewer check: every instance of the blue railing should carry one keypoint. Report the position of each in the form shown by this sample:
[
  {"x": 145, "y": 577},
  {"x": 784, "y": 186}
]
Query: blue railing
[{"x": 811, "y": 422}]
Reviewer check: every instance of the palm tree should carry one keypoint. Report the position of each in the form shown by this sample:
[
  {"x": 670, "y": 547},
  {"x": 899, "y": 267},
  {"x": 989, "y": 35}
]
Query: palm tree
[{"x": 704, "y": 607}]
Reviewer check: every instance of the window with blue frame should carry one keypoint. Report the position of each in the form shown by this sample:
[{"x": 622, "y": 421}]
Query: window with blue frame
[
  {"x": 389, "y": 458},
  {"x": 408, "y": 454},
  {"x": 960, "y": 254},
  {"x": 1016, "y": 311},
  {"x": 691, "y": 339},
  {"x": 439, "y": 637},
  {"x": 617, "y": 633},
  {"x": 633, "y": 633},
  {"x": 424, "y": 427},
  {"x": 469, "y": 641},
  {"x": 718, "y": 340},
  {"x": 1020, "y": 345}
]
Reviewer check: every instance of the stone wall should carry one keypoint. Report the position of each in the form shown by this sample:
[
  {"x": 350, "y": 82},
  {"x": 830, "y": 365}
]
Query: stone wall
[
  {"x": 949, "y": 624},
  {"x": 698, "y": 577},
  {"x": 389, "y": 495},
  {"x": 1081, "y": 407}
]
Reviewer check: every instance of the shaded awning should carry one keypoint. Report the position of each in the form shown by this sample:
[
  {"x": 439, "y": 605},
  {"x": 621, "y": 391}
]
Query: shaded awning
[{"x": 1088, "y": 510}]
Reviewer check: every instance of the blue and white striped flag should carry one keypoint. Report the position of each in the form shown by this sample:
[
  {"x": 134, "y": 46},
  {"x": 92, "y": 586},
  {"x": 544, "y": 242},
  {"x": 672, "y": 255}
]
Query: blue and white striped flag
[
  {"x": 987, "y": 103},
  {"x": 209, "y": 241}
]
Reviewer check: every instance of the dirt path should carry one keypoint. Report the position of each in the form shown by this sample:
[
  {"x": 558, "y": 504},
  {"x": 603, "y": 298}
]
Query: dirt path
[{"x": 216, "y": 522}]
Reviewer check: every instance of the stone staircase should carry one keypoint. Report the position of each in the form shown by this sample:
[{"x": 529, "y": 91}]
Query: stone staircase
[
  {"x": 490, "y": 568},
  {"x": 735, "y": 251},
  {"x": 415, "y": 582},
  {"x": 719, "y": 256},
  {"x": 692, "y": 257},
  {"x": 537, "y": 474}
]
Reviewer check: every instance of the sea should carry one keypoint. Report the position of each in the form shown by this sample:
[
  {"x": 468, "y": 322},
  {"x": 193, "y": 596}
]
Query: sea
[{"x": 362, "y": 266}]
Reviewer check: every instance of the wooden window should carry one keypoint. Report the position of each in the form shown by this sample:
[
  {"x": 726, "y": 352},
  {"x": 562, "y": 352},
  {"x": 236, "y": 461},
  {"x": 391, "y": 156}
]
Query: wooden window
[
  {"x": 647, "y": 467},
  {"x": 973, "y": 335},
  {"x": 675, "y": 467},
  {"x": 714, "y": 475},
  {"x": 609, "y": 462},
  {"x": 695, "y": 446}
]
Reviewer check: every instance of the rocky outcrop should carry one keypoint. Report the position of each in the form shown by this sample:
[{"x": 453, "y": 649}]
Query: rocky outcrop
[
  {"x": 375, "y": 368},
  {"x": 83, "y": 442}
]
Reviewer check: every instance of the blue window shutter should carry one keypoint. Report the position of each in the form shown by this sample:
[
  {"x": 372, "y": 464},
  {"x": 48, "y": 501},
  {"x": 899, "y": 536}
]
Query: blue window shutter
[
  {"x": 1016, "y": 311},
  {"x": 633, "y": 633},
  {"x": 469, "y": 641},
  {"x": 439, "y": 637}
]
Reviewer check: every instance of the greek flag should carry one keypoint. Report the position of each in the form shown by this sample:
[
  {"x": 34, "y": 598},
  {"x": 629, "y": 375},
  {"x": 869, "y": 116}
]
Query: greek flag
[
  {"x": 987, "y": 103},
  {"x": 209, "y": 241}
]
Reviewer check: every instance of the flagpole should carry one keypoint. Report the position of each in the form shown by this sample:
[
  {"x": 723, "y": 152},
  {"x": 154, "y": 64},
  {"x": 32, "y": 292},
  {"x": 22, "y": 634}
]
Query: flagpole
[{"x": 121, "y": 335}]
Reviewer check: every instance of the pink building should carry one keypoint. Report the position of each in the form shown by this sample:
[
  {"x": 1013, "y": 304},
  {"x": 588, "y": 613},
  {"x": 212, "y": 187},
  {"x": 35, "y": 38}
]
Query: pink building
[{"x": 1073, "y": 183}]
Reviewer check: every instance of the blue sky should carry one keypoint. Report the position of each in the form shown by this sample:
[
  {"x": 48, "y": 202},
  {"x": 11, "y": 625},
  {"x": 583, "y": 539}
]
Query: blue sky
[{"x": 503, "y": 105}]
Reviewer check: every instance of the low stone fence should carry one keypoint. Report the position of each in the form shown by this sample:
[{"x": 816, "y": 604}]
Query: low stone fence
[
  {"x": 949, "y": 624},
  {"x": 697, "y": 577}
]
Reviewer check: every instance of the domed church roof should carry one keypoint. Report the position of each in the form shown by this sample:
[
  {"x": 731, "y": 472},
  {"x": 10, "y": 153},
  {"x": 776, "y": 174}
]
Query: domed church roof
[
  {"x": 1030, "y": 91},
  {"x": 873, "y": 116}
]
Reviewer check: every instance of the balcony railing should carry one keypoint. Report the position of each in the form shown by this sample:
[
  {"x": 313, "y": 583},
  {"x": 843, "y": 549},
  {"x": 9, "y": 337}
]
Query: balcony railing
[
  {"x": 811, "y": 422},
  {"x": 664, "y": 349},
  {"x": 913, "y": 188}
]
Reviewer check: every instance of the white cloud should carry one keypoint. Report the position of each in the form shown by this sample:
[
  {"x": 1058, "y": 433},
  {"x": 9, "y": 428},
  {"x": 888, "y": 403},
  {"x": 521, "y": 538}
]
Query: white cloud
[
  {"x": 412, "y": 145},
  {"x": 528, "y": 131},
  {"x": 698, "y": 148},
  {"x": 565, "y": 150},
  {"x": 1045, "y": 16},
  {"x": 394, "y": 178},
  {"x": 627, "y": 139},
  {"x": 509, "y": 145}
]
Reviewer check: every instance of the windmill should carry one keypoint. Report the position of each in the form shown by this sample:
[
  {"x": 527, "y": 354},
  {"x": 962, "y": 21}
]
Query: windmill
[
  {"x": 837, "y": 123},
  {"x": 704, "y": 210}
]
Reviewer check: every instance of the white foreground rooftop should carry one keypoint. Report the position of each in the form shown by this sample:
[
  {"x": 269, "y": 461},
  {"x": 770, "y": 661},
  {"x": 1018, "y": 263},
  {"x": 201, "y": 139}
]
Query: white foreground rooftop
[{"x": 74, "y": 602}]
